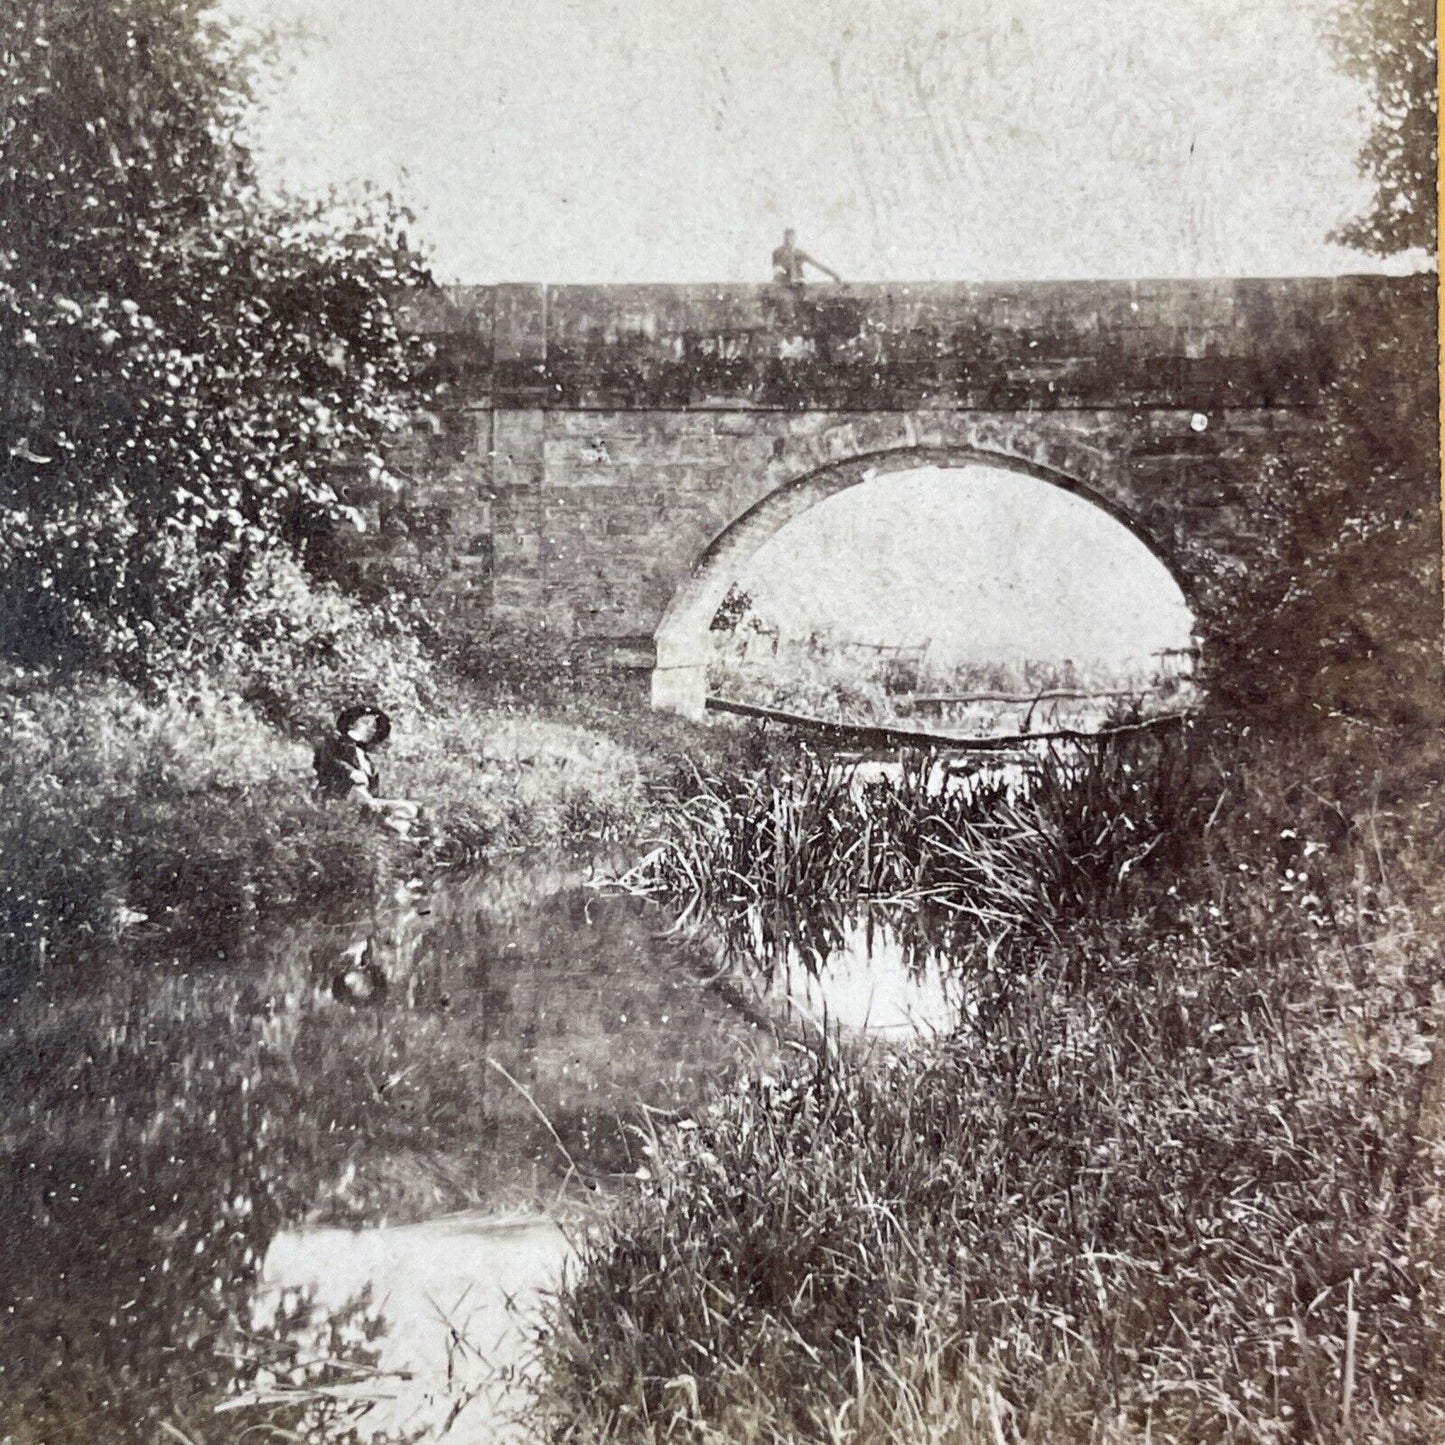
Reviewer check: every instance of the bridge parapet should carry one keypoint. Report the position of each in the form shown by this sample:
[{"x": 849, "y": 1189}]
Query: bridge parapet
[{"x": 1200, "y": 344}]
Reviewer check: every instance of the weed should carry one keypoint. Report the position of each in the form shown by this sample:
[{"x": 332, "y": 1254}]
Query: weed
[{"x": 1179, "y": 1179}]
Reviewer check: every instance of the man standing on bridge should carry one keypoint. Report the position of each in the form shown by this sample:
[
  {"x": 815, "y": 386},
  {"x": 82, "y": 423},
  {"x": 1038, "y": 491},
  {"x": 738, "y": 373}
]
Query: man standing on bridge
[{"x": 790, "y": 258}]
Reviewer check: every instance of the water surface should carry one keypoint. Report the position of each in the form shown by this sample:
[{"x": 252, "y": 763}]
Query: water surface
[{"x": 366, "y": 1123}]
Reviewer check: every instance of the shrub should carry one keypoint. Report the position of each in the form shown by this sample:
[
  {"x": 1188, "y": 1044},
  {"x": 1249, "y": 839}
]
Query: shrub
[
  {"x": 1330, "y": 613},
  {"x": 298, "y": 650},
  {"x": 505, "y": 661},
  {"x": 182, "y": 357}
]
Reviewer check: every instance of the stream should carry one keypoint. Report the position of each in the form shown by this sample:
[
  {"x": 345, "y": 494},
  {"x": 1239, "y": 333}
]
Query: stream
[{"x": 325, "y": 1186}]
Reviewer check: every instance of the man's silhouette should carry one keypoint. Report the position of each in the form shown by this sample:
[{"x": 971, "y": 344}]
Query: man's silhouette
[{"x": 789, "y": 260}]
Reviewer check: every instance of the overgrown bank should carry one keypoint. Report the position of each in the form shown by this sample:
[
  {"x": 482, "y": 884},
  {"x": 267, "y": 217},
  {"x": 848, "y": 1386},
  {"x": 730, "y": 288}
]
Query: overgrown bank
[
  {"x": 1180, "y": 1177},
  {"x": 187, "y": 819}
]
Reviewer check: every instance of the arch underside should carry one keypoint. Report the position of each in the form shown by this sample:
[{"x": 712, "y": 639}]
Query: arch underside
[{"x": 679, "y": 678}]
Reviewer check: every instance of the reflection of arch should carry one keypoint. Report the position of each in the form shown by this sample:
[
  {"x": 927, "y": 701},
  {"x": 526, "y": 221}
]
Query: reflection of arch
[{"x": 679, "y": 678}]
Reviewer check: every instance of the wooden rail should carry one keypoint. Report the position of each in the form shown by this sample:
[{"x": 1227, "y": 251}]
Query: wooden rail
[
  {"x": 1050, "y": 695},
  {"x": 875, "y": 736}
]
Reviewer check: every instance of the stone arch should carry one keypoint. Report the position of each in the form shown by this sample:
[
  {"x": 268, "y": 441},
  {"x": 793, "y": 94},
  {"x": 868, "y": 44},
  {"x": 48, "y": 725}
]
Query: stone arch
[{"x": 679, "y": 676}]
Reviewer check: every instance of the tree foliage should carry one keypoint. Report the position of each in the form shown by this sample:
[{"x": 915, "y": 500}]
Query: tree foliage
[
  {"x": 182, "y": 355},
  {"x": 1392, "y": 46},
  {"x": 1331, "y": 609}
]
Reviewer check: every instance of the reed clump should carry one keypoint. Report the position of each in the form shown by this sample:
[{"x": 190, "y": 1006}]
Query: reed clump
[
  {"x": 1182, "y": 1179},
  {"x": 1017, "y": 847}
]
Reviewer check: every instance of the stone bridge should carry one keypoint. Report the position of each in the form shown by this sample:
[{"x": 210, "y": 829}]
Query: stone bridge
[{"x": 602, "y": 458}]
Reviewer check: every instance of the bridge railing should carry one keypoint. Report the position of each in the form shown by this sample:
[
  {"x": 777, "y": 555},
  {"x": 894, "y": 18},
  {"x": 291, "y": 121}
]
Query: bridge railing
[{"x": 872, "y": 735}]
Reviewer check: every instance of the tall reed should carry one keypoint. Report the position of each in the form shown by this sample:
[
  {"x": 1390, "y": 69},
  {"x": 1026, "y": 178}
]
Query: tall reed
[{"x": 1013, "y": 847}]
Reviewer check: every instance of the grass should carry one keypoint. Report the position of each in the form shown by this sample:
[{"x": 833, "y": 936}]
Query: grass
[
  {"x": 1179, "y": 1180},
  {"x": 828, "y": 679},
  {"x": 188, "y": 815}
]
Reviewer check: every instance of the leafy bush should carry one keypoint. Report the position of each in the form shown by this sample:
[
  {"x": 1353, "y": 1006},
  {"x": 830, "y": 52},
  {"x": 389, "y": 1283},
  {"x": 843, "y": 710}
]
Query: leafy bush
[
  {"x": 182, "y": 358},
  {"x": 1329, "y": 618},
  {"x": 298, "y": 650},
  {"x": 506, "y": 661},
  {"x": 1393, "y": 47}
]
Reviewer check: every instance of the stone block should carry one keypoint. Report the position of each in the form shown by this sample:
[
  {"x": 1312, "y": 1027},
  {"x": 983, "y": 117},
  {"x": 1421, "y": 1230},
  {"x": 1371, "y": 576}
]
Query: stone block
[
  {"x": 518, "y": 454},
  {"x": 513, "y": 549},
  {"x": 517, "y": 524},
  {"x": 519, "y": 597},
  {"x": 519, "y": 326},
  {"x": 748, "y": 422}
]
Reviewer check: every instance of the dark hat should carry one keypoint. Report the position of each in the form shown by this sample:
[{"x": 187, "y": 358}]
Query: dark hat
[{"x": 346, "y": 719}]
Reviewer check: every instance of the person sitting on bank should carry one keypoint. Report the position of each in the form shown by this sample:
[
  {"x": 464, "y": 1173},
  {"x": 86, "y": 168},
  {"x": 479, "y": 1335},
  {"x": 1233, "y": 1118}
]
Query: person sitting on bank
[
  {"x": 346, "y": 769},
  {"x": 790, "y": 258}
]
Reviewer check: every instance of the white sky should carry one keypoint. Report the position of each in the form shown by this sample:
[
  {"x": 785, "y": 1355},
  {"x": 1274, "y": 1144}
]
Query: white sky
[
  {"x": 988, "y": 564},
  {"x": 661, "y": 140}
]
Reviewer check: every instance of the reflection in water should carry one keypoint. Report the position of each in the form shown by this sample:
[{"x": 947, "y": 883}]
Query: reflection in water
[
  {"x": 947, "y": 773},
  {"x": 895, "y": 972},
  {"x": 167, "y": 1119},
  {"x": 458, "y": 1295},
  {"x": 872, "y": 979},
  {"x": 181, "y": 1136}
]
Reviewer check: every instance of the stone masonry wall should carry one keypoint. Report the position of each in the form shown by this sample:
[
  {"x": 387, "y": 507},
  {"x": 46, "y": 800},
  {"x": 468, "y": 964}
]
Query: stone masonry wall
[{"x": 587, "y": 444}]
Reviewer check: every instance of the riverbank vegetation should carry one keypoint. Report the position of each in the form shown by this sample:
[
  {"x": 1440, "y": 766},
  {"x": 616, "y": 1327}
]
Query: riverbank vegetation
[
  {"x": 1019, "y": 846},
  {"x": 1179, "y": 1177},
  {"x": 833, "y": 679},
  {"x": 189, "y": 819}
]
